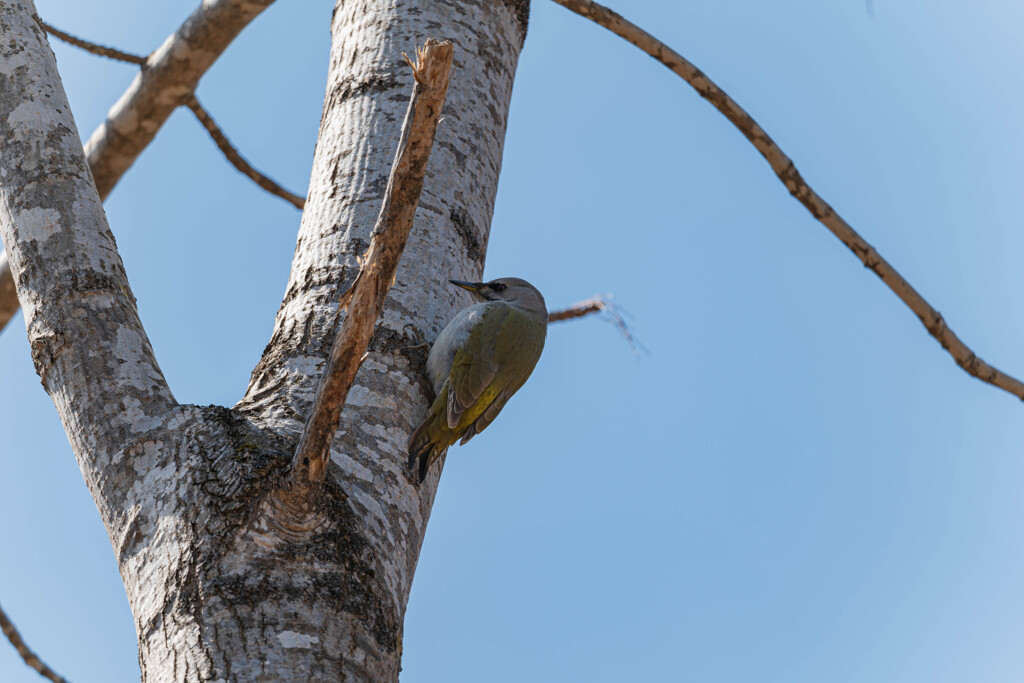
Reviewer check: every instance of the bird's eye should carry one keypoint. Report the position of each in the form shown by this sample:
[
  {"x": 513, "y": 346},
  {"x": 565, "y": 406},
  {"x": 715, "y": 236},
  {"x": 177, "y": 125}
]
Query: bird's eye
[{"x": 498, "y": 287}]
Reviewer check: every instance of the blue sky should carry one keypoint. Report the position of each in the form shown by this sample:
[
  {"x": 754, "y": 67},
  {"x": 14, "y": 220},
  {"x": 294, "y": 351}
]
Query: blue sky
[{"x": 796, "y": 484}]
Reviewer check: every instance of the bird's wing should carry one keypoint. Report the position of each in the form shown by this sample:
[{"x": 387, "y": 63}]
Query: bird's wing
[
  {"x": 516, "y": 342},
  {"x": 475, "y": 365},
  {"x": 487, "y": 417}
]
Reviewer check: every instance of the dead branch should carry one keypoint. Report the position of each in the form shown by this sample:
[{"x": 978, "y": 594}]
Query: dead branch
[
  {"x": 236, "y": 158},
  {"x": 365, "y": 299},
  {"x": 597, "y": 304},
  {"x": 798, "y": 187},
  {"x": 23, "y": 650},
  {"x": 579, "y": 310},
  {"x": 8, "y": 296},
  {"x": 94, "y": 48}
]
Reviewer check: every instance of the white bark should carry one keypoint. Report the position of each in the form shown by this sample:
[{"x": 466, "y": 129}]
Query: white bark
[
  {"x": 168, "y": 79},
  {"x": 364, "y": 301},
  {"x": 231, "y": 573},
  {"x": 366, "y": 91},
  {"x": 87, "y": 342}
]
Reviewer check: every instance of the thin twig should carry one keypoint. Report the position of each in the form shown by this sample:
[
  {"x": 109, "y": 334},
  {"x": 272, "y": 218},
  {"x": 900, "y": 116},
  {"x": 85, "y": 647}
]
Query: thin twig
[
  {"x": 26, "y": 654},
  {"x": 171, "y": 73},
  {"x": 365, "y": 299},
  {"x": 101, "y": 50},
  {"x": 236, "y": 159},
  {"x": 225, "y": 146},
  {"x": 791, "y": 178},
  {"x": 579, "y": 310},
  {"x": 597, "y": 304}
]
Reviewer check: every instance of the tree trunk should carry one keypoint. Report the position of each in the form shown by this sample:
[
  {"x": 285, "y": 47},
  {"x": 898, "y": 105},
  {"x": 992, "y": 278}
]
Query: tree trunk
[{"x": 231, "y": 574}]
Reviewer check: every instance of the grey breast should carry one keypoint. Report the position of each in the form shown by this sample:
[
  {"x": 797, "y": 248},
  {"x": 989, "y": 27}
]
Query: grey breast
[{"x": 451, "y": 339}]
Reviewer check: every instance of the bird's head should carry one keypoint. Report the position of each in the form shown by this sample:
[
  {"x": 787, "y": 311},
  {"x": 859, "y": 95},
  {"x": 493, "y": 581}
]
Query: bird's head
[{"x": 511, "y": 290}]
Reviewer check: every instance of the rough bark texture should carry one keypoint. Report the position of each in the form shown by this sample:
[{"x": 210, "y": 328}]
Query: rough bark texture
[
  {"x": 136, "y": 118},
  {"x": 365, "y": 300},
  {"x": 230, "y": 572},
  {"x": 365, "y": 102}
]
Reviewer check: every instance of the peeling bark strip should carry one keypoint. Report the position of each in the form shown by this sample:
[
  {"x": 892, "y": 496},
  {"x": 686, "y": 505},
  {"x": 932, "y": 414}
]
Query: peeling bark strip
[
  {"x": 171, "y": 74},
  {"x": 367, "y": 99},
  {"x": 798, "y": 187},
  {"x": 236, "y": 159},
  {"x": 365, "y": 300},
  {"x": 25, "y": 653},
  {"x": 8, "y": 295}
]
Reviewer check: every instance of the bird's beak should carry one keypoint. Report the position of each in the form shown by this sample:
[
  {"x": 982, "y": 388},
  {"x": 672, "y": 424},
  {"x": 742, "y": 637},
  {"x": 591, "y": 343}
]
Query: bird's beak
[{"x": 471, "y": 286}]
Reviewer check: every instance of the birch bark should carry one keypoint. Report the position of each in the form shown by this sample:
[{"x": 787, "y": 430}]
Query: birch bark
[{"x": 232, "y": 573}]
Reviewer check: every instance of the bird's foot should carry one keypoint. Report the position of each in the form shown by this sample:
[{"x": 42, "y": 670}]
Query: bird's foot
[{"x": 415, "y": 335}]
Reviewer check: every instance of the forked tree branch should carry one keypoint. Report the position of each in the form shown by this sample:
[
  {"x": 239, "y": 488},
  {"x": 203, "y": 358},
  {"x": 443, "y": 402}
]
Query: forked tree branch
[
  {"x": 236, "y": 159},
  {"x": 171, "y": 74},
  {"x": 204, "y": 117},
  {"x": 798, "y": 187},
  {"x": 365, "y": 299},
  {"x": 8, "y": 307},
  {"x": 25, "y": 653},
  {"x": 169, "y": 77}
]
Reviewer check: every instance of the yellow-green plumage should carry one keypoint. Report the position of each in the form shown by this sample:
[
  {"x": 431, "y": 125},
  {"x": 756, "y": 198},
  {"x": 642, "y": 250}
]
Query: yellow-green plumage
[{"x": 493, "y": 347}]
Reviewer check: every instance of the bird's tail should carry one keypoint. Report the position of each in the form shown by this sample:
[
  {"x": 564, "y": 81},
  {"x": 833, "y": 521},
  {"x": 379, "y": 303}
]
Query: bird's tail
[
  {"x": 428, "y": 442},
  {"x": 423, "y": 451}
]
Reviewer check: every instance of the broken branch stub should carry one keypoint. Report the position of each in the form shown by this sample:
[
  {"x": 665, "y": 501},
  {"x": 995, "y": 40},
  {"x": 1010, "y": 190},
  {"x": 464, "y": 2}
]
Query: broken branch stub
[{"x": 365, "y": 299}]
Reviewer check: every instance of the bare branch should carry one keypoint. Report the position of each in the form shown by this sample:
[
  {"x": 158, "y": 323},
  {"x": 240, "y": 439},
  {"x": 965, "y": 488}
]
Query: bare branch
[
  {"x": 594, "y": 305},
  {"x": 365, "y": 299},
  {"x": 23, "y": 650},
  {"x": 794, "y": 182},
  {"x": 101, "y": 50},
  {"x": 597, "y": 304},
  {"x": 192, "y": 102},
  {"x": 236, "y": 159},
  {"x": 170, "y": 77}
]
